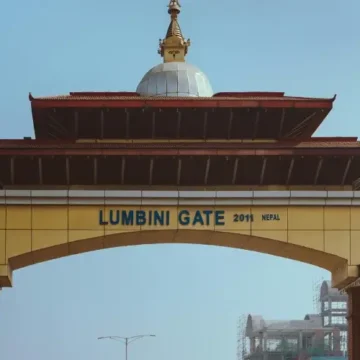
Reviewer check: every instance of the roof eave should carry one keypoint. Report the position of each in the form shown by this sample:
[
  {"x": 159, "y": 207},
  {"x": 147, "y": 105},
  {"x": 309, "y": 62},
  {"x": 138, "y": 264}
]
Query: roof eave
[
  {"x": 325, "y": 104},
  {"x": 303, "y": 152}
]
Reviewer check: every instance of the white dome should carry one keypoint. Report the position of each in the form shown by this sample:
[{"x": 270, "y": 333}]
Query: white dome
[{"x": 175, "y": 79}]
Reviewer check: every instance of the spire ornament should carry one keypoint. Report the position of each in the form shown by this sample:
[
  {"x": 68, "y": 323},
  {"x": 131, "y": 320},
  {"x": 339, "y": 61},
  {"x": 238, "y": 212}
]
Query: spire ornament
[{"x": 174, "y": 47}]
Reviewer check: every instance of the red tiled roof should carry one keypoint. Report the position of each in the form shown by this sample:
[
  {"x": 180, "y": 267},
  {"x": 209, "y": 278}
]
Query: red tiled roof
[{"x": 118, "y": 96}]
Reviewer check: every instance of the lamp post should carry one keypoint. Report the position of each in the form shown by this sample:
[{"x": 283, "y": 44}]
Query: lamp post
[{"x": 126, "y": 340}]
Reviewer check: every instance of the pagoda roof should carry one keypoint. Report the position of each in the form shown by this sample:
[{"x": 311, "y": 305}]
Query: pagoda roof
[
  {"x": 315, "y": 162},
  {"x": 126, "y": 115}
]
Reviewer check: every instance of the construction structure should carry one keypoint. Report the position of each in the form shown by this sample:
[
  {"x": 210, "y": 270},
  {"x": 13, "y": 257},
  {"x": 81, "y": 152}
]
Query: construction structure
[{"x": 317, "y": 336}]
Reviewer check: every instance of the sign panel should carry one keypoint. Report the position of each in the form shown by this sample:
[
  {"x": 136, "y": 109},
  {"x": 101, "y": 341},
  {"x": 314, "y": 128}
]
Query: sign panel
[{"x": 185, "y": 217}]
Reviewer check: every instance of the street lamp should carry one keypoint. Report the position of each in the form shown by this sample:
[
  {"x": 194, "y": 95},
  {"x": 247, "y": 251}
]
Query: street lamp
[{"x": 126, "y": 340}]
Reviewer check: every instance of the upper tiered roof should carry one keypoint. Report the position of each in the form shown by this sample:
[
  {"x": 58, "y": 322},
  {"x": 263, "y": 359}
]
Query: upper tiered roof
[
  {"x": 121, "y": 115},
  {"x": 174, "y": 100}
]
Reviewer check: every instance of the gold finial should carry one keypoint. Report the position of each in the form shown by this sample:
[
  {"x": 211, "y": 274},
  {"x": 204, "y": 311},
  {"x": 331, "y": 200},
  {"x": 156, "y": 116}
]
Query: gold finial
[
  {"x": 174, "y": 47},
  {"x": 174, "y": 7}
]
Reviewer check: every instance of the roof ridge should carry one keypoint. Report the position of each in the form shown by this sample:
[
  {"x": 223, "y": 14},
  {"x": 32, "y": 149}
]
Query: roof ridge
[{"x": 166, "y": 98}]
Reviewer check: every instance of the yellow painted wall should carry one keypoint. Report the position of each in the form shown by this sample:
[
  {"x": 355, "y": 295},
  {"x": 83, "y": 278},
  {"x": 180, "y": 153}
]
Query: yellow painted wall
[{"x": 323, "y": 236}]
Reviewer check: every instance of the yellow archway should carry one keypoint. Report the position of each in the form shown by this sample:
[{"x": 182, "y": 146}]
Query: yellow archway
[
  {"x": 205, "y": 237},
  {"x": 37, "y": 229}
]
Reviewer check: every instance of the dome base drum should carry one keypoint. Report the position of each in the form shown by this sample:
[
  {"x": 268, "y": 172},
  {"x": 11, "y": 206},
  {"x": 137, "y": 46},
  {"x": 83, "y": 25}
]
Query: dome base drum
[{"x": 178, "y": 79}]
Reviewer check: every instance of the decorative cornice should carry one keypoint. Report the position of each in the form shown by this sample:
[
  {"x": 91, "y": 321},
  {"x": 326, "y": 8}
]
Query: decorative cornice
[{"x": 179, "y": 198}]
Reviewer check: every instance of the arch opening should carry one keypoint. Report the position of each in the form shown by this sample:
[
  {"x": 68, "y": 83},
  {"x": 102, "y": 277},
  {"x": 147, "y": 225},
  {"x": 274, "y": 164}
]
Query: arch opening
[{"x": 264, "y": 245}]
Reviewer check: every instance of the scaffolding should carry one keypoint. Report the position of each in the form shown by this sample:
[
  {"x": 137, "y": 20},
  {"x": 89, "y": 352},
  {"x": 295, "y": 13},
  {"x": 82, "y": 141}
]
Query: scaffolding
[
  {"x": 316, "y": 286},
  {"x": 241, "y": 350}
]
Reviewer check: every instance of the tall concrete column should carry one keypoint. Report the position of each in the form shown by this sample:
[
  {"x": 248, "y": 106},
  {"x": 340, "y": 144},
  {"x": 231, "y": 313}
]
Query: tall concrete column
[
  {"x": 261, "y": 341},
  {"x": 252, "y": 344},
  {"x": 336, "y": 340},
  {"x": 354, "y": 323},
  {"x": 318, "y": 338},
  {"x": 265, "y": 346}
]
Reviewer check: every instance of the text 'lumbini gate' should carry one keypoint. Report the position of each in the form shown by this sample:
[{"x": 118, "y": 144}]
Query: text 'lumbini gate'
[{"x": 175, "y": 163}]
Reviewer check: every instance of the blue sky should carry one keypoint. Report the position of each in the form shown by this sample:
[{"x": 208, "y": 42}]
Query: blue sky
[{"x": 189, "y": 296}]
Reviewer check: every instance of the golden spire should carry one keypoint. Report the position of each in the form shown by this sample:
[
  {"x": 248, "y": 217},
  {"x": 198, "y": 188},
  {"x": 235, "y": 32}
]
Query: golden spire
[{"x": 174, "y": 47}]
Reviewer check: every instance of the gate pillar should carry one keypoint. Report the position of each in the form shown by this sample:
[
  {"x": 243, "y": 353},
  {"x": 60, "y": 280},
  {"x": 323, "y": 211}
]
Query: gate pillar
[{"x": 354, "y": 323}]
